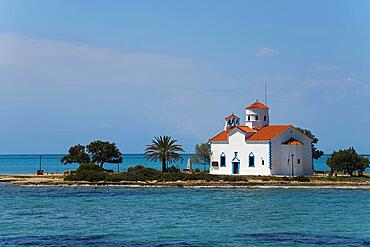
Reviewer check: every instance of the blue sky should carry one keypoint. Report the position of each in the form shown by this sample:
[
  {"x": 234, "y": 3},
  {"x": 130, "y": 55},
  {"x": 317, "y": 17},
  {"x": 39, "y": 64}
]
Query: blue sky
[{"x": 125, "y": 71}]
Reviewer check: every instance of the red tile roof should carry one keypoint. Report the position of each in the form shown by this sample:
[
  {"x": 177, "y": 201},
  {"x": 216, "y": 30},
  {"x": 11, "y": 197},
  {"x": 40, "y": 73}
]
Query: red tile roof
[
  {"x": 220, "y": 137},
  {"x": 223, "y": 135},
  {"x": 268, "y": 132},
  {"x": 292, "y": 141},
  {"x": 256, "y": 105},
  {"x": 246, "y": 129},
  {"x": 232, "y": 115}
]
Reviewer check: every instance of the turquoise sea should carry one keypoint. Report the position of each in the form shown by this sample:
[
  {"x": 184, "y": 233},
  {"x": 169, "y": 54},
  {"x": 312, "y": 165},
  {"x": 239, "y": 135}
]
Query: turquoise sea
[
  {"x": 117, "y": 216},
  {"x": 21, "y": 164}
]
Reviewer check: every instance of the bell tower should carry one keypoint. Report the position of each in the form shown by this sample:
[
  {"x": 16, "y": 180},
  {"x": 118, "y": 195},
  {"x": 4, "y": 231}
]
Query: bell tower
[
  {"x": 257, "y": 115},
  {"x": 231, "y": 121}
]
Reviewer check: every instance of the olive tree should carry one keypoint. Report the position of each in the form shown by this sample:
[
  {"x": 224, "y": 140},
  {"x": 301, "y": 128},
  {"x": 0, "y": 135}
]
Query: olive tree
[
  {"x": 316, "y": 154},
  {"x": 347, "y": 161},
  {"x": 104, "y": 152},
  {"x": 202, "y": 154},
  {"x": 76, "y": 154}
]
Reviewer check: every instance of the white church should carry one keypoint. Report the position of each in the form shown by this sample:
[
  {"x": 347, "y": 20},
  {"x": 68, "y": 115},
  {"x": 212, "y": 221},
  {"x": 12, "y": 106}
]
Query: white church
[{"x": 258, "y": 148}]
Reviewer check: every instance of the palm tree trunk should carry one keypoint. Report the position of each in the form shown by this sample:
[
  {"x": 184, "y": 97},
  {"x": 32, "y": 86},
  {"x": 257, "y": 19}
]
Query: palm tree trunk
[{"x": 164, "y": 167}]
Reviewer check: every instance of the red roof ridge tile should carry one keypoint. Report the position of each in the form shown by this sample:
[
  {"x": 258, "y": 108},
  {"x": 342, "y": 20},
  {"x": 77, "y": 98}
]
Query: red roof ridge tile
[
  {"x": 257, "y": 105},
  {"x": 269, "y": 132},
  {"x": 232, "y": 115},
  {"x": 223, "y": 136}
]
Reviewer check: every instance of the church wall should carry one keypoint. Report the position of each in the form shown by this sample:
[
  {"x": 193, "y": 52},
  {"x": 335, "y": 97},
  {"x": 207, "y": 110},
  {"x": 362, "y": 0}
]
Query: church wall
[
  {"x": 237, "y": 144},
  {"x": 280, "y": 154},
  {"x": 261, "y": 153}
]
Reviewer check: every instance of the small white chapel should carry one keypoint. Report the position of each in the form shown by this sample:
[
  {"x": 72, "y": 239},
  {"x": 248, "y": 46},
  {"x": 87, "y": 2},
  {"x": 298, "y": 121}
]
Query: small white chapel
[{"x": 258, "y": 148}]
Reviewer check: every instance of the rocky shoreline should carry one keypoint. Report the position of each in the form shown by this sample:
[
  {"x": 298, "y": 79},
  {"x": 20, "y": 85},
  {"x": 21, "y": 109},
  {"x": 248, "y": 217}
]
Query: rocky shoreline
[{"x": 57, "y": 180}]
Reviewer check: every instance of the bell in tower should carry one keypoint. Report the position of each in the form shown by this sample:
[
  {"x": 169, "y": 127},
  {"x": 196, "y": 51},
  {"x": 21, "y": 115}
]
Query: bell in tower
[{"x": 231, "y": 121}]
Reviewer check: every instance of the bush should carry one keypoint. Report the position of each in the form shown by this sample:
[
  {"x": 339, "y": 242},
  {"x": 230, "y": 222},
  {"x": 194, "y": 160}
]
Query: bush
[
  {"x": 137, "y": 173},
  {"x": 302, "y": 179},
  {"x": 230, "y": 178},
  {"x": 90, "y": 175},
  {"x": 117, "y": 177},
  {"x": 69, "y": 177},
  {"x": 135, "y": 168},
  {"x": 89, "y": 166},
  {"x": 197, "y": 170},
  {"x": 173, "y": 169},
  {"x": 172, "y": 176},
  {"x": 87, "y": 172},
  {"x": 200, "y": 176},
  {"x": 87, "y": 175},
  {"x": 299, "y": 179}
]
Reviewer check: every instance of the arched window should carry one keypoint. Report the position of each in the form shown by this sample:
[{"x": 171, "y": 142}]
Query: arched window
[
  {"x": 251, "y": 160},
  {"x": 249, "y": 118},
  {"x": 223, "y": 159},
  {"x": 265, "y": 118},
  {"x": 256, "y": 117}
]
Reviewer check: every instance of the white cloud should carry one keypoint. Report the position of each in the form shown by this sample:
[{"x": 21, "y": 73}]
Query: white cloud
[
  {"x": 347, "y": 79},
  {"x": 319, "y": 68},
  {"x": 266, "y": 52},
  {"x": 341, "y": 81},
  {"x": 83, "y": 91},
  {"x": 58, "y": 62}
]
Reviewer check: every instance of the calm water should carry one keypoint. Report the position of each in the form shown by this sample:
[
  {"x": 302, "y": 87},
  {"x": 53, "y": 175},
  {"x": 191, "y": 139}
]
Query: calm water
[
  {"x": 113, "y": 216},
  {"x": 20, "y": 164}
]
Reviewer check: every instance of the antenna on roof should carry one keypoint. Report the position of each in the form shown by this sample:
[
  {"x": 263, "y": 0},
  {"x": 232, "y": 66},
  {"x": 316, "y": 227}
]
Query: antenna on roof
[{"x": 265, "y": 93}]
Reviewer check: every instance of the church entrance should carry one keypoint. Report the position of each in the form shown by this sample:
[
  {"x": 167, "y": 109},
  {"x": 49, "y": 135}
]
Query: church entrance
[{"x": 235, "y": 167}]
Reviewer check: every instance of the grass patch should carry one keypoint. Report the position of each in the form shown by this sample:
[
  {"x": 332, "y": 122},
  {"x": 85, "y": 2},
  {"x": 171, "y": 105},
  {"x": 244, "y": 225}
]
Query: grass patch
[{"x": 343, "y": 179}]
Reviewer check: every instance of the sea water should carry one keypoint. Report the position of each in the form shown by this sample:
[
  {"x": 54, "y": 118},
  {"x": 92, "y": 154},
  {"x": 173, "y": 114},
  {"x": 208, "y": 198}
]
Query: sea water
[
  {"x": 117, "y": 216},
  {"x": 27, "y": 164},
  {"x": 50, "y": 163}
]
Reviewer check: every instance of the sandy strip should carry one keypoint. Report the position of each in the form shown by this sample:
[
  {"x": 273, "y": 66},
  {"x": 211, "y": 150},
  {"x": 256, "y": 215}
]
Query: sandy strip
[{"x": 57, "y": 180}]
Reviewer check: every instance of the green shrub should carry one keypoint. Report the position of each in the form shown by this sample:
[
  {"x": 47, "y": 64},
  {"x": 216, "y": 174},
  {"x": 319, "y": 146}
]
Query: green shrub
[
  {"x": 87, "y": 172},
  {"x": 90, "y": 175},
  {"x": 117, "y": 177},
  {"x": 298, "y": 178},
  {"x": 173, "y": 169},
  {"x": 230, "y": 178},
  {"x": 200, "y": 176},
  {"x": 302, "y": 179},
  {"x": 285, "y": 178},
  {"x": 137, "y": 173},
  {"x": 89, "y": 166},
  {"x": 172, "y": 176},
  {"x": 197, "y": 170},
  {"x": 69, "y": 177},
  {"x": 135, "y": 168}
]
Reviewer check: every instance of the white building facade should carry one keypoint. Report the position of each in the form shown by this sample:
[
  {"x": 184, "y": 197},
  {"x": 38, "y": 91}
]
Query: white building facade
[{"x": 258, "y": 148}]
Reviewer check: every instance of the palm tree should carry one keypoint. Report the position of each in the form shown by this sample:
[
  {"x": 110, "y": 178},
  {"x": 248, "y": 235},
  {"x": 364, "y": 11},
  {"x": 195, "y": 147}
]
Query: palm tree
[{"x": 165, "y": 149}]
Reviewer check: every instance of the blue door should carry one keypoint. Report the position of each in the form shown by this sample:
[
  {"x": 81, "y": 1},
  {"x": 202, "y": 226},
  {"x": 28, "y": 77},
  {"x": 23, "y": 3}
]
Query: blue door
[{"x": 235, "y": 167}]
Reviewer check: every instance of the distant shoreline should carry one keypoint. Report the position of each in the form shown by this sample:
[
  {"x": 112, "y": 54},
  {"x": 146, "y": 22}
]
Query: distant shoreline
[
  {"x": 57, "y": 180},
  {"x": 326, "y": 154}
]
